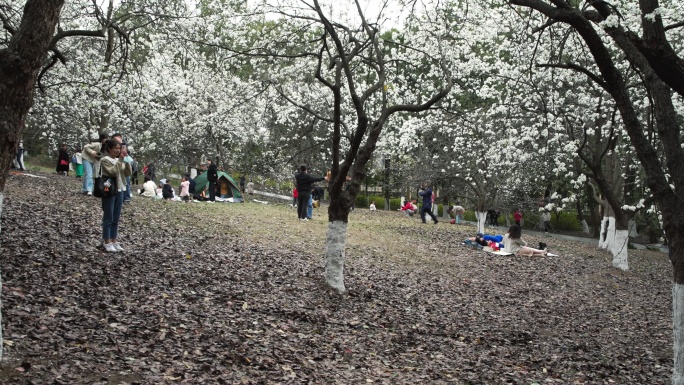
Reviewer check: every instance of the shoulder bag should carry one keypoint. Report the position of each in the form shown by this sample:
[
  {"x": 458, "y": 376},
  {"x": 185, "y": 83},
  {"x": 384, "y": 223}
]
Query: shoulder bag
[{"x": 104, "y": 186}]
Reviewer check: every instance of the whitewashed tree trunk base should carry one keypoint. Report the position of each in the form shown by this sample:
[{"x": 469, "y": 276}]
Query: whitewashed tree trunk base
[
  {"x": 619, "y": 250},
  {"x": 633, "y": 233},
  {"x": 678, "y": 329},
  {"x": 585, "y": 227},
  {"x": 335, "y": 255},
  {"x": 602, "y": 232},
  {"x": 481, "y": 218}
]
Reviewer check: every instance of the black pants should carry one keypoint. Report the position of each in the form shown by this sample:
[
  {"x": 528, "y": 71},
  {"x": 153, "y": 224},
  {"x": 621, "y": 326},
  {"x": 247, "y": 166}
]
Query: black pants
[
  {"x": 302, "y": 202},
  {"x": 429, "y": 211},
  {"x": 212, "y": 191}
]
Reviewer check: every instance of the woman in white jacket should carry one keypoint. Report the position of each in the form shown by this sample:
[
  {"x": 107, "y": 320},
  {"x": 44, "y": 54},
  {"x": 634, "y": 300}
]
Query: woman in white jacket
[{"x": 115, "y": 170}]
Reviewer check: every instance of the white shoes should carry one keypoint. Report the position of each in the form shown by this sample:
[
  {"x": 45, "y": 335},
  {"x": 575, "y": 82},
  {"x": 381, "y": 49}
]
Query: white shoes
[{"x": 112, "y": 247}]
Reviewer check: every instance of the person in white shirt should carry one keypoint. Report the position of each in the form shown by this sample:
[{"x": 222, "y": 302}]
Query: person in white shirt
[{"x": 149, "y": 188}]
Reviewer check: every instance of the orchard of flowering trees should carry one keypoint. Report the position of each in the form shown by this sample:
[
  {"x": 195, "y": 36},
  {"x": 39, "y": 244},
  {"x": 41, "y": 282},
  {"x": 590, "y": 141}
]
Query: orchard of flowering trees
[{"x": 556, "y": 105}]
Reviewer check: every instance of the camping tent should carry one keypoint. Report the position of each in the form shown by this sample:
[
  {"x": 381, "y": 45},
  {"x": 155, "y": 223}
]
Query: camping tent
[{"x": 227, "y": 186}]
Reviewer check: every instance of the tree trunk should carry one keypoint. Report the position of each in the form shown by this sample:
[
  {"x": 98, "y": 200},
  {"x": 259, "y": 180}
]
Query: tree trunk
[
  {"x": 585, "y": 226},
  {"x": 481, "y": 218},
  {"x": 633, "y": 233},
  {"x": 678, "y": 331},
  {"x": 335, "y": 255},
  {"x": 2, "y": 342},
  {"x": 619, "y": 249},
  {"x": 603, "y": 232},
  {"x": 19, "y": 66}
]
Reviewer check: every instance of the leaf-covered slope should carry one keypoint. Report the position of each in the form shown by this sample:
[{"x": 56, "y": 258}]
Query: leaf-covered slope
[{"x": 232, "y": 293}]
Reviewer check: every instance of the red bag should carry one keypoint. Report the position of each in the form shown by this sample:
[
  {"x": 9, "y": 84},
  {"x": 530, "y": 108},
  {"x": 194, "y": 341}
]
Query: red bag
[
  {"x": 453, "y": 221},
  {"x": 63, "y": 162}
]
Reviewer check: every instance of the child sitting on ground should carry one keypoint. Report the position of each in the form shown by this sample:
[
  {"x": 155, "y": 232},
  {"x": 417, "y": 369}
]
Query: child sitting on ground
[{"x": 372, "y": 207}]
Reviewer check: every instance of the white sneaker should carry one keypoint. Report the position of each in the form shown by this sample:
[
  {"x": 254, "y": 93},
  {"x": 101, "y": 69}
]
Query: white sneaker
[
  {"x": 89, "y": 193},
  {"x": 118, "y": 247},
  {"x": 109, "y": 247}
]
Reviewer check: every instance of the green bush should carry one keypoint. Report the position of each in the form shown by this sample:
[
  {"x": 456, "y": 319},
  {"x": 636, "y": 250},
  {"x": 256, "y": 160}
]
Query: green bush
[
  {"x": 566, "y": 222},
  {"x": 362, "y": 202}
]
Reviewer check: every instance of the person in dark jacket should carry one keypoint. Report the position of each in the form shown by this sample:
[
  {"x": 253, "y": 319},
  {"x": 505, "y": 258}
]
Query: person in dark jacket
[
  {"x": 426, "y": 193},
  {"x": 63, "y": 161},
  {"x": 212, "y": 177},
  {"x": 304, "y": 186}
]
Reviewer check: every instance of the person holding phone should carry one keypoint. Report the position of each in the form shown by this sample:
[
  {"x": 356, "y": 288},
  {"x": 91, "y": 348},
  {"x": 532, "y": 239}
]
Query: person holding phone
[{"x": 116, "y": 170}]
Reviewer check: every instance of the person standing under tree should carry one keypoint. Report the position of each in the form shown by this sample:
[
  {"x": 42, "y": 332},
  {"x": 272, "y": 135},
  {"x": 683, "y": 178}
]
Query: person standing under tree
[
  {"x": 546, "y": 217},
  {"x": 77, "y": 161},
  {"x": 242, "y": 184},
  {"x": 426, "y": 193},
  {"x": 212, "y": 177},
  {"x": 304, "y": 186},
  {"x": 91, "y": 157},
  {"x": 63, "y": 161},
  {"x": 113, "y": 167},
  {"x": 517, "y": 217}
]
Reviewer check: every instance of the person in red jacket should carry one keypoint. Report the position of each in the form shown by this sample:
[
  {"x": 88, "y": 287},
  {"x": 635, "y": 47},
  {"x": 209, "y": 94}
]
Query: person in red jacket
[
  {"x": 295, "y": 195},
  {"x": 409, "y": 208},
  {"x": 517, "y": 217}
]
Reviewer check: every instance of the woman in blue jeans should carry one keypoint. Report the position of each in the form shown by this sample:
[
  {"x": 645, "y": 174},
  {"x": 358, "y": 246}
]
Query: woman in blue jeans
[{"x": 115, "y": 170}]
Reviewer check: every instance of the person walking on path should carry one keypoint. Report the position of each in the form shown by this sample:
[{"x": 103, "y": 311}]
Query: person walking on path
[
  {"x": 517, "y": 217},
  {"x": 426, "y": 193},
  {"x": 114, "y": 168},
  {"x": 546, "y": 217},
  {"x": 63, "y": 161},
  {"x": 212, "y": 177},
  {"x": 92, "y": 152},
  {"x": 304, "y": 186}
]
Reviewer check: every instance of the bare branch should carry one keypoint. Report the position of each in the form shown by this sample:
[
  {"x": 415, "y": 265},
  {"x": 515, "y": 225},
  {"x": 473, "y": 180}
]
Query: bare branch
[{"x": 577, "y": 68}]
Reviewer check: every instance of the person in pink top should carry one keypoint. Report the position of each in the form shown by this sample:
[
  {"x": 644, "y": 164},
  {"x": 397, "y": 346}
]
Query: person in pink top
[{"x": 185, "y": 190}]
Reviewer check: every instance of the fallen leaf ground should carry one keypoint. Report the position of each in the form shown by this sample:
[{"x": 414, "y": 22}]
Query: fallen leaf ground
[{"x": 232, "y": 294}]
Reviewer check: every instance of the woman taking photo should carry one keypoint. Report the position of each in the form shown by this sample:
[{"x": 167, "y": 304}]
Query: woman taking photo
[
  {"x": 514, "y": 243},
  {"x": 114, "y": 168}
]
